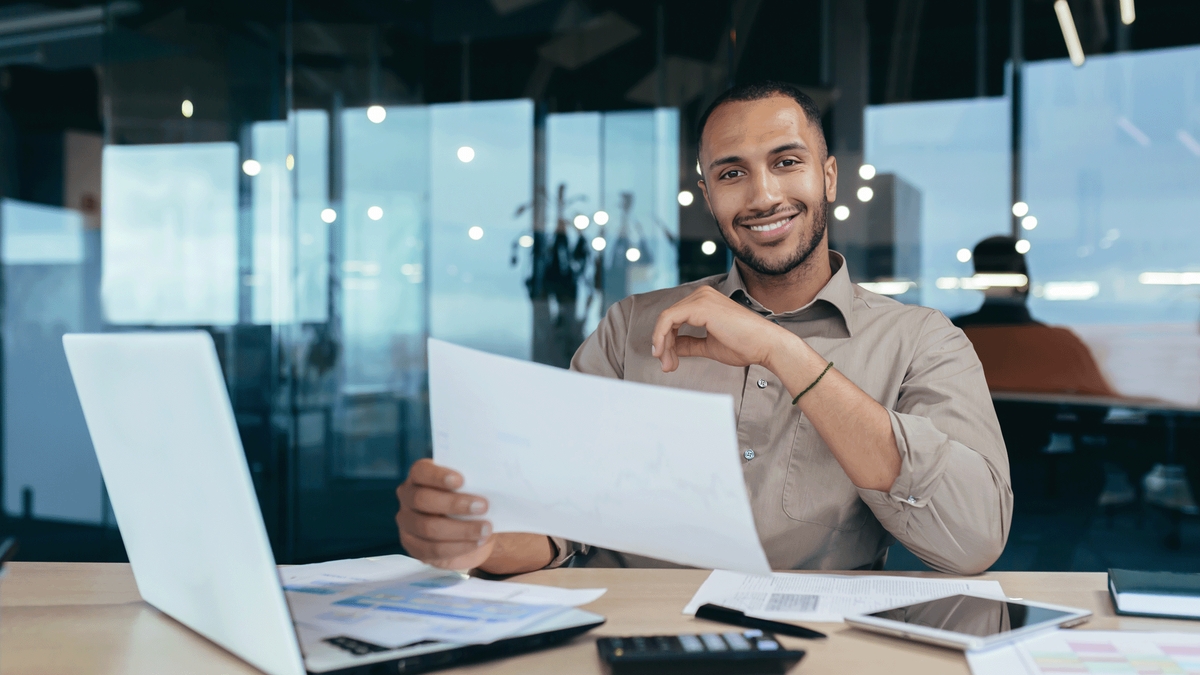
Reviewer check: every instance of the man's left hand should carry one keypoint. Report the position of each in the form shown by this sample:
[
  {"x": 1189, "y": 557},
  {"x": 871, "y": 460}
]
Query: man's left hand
[{"x": 736, "y": 336}]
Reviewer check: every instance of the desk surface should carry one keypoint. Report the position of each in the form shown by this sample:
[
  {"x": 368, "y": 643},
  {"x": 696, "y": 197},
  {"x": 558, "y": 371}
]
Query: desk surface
[{"x": 88, "y": 618}]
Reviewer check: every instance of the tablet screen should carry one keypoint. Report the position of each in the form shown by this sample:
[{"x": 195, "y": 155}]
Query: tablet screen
[{"x": 970, "y": 615}]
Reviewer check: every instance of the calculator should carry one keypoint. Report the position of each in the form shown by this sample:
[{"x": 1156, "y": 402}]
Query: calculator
[{"x": 745, "y": 652}]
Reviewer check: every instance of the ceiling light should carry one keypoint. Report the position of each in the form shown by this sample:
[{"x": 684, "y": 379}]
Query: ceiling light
[
  {"x": 1188, "y": 142},
  {"x": 377, "y": 113},
  {"x": 685, "y": 198},
  {"x": 525, "y": 241},
  {"x": 1020, "y": 208},
  {"x": 1022, "y": 246},
  {"x": 633, "y": 255},
  {"x": 1029, "y": 222},
  {"x": 984, "y": 281},
  {"x": 708, "y": 247},
  {"x": 963, "y": 255},
  {"x": 251, "y": 167},
  {"x": 865, "y": 194},
  {"x": 1070, "y": 290},
  {"x": 1070, "y": 35},
  {"x": 581, "y": 222},
  {"x": 866, "y": 171},
  {"x": 328, "y": 215},
  {"x": 187, "y": 108},
  {"x": 598, "y": 243},
  {"x": 465, "y": 154},
  {"x": 1169, "y": 278},
  {"x": 600, "y": 217},
  {"x": 1127, "y": 13},
  {"x": 841, "y": 212},
  {"x": 290, "y": 162},
  {"x": 476, "y": 232},
  {"x": 375, "y": 213}
]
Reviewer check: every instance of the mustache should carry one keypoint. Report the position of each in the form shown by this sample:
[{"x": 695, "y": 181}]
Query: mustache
[{"x": 779, "y": 210}]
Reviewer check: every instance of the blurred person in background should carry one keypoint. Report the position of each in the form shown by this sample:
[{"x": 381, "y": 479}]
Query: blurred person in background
[{"x": 1018, "y": 352}]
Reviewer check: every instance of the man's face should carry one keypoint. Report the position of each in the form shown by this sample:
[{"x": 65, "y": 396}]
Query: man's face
[{"x": 767, "y": 182}]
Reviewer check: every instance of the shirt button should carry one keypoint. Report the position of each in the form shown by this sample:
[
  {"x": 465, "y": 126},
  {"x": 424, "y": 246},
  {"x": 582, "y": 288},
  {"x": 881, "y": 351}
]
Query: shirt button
[
  {"x": 762, "y": 384},
  {"x": 912, "y": 499},
  {"x": 748, "y": 454}
]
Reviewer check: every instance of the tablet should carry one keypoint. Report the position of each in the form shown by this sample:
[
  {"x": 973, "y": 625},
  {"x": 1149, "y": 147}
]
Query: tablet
[{"x": 969, "y": 622}]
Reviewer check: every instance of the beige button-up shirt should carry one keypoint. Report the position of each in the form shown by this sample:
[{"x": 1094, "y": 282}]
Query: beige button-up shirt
[{"x": 952, "y": 502}]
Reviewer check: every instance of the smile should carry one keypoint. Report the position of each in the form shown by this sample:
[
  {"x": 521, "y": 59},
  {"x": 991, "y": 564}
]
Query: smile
[{"x": 769, "y": 227}]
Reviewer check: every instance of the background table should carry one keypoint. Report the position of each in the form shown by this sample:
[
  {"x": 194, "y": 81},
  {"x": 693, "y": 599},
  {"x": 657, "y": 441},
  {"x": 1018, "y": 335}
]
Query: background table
[{"x": 88, "y": 618}]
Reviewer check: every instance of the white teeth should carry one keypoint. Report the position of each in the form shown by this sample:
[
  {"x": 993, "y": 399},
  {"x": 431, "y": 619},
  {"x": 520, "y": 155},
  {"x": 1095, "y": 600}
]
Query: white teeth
[{"x": 770, "y": 226}]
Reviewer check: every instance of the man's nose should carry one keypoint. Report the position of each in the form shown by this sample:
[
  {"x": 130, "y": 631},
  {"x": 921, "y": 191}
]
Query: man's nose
[{"x": 766, "y": 192}]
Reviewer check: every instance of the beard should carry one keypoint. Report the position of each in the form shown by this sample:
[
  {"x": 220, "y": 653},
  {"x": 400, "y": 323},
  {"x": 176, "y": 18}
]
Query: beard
[{"x": 798, "y": 257}]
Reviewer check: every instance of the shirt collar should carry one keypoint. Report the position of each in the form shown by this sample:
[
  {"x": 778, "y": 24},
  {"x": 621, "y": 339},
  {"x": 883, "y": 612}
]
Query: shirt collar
[{"x": 837, "y": 293}]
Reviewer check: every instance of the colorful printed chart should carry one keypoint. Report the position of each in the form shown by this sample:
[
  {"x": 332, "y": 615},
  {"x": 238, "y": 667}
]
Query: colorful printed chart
[{"x": 1095, "y": 652}]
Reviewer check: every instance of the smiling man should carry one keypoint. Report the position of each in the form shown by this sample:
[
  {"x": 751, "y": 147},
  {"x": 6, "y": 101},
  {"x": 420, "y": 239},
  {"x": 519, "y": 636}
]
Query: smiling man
[{"x": 860, "y": 420}]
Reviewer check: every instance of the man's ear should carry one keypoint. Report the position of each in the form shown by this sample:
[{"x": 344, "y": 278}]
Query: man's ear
[
  {"x": 704, "y": 191},
  {"x": 831, "y": 176}
]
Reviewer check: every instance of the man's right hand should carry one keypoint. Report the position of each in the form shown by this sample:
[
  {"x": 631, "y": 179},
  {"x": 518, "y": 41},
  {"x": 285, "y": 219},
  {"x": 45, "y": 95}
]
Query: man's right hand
[{"x": 428, "y": 529}]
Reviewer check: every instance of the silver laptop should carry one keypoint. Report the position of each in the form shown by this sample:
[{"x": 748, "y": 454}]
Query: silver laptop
[{"x": 163, "y": 428}]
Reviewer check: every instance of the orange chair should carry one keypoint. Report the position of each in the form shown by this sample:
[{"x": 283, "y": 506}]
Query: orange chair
[{"x": 1037, "y": 358}]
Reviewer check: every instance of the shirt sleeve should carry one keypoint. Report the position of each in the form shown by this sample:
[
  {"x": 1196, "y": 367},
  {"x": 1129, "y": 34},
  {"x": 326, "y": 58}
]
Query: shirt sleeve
[
  {"x": 952, "y": 502},
  {"x": 603, "y": 353}
]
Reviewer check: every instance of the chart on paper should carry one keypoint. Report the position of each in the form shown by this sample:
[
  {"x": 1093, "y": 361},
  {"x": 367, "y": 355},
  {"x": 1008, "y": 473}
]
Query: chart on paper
[{"x": 1084, "y": 651}]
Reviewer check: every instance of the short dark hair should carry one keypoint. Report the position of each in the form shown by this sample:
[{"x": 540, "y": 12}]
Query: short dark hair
[
  {"x": 756, "y": 91},
  {"x": 999, "y": 255}
]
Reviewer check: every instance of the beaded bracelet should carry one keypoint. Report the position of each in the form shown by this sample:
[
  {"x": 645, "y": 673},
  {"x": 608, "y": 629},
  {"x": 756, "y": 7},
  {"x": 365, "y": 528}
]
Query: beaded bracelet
[{"x": 809, "y": 387}]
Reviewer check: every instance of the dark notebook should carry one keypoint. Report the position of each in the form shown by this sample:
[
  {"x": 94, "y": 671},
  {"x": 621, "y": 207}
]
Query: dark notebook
[{"x": 1166, "y": 594}]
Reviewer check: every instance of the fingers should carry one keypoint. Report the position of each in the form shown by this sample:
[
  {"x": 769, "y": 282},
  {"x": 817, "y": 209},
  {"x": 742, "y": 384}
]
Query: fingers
[
  {"x": 441, "y": 528},
  {"x": 440, "y": 502},
  {"x": 430, "y": 518},
  {"x": 437, "y": 551},
  {"x": 425, "y": 472},
  {"x": 686, "y": 345}
]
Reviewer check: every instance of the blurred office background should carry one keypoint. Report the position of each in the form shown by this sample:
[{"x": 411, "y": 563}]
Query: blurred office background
[{"x": 323, "y": 185}]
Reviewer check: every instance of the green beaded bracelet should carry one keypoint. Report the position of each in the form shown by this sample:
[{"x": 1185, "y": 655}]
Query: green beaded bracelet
[{"x": 809, "y": 387}]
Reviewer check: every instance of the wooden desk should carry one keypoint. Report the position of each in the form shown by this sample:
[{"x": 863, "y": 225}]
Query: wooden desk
[{"x": 88, "y": 618}]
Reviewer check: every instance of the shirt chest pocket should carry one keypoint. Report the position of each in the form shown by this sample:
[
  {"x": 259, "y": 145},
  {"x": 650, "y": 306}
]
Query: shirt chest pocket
[{"x": 816, "y": 489}]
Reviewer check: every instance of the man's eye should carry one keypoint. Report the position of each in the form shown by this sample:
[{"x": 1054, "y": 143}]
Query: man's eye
[
  {"x": 788, "y": 162},
  {"x": 732, "y": 173}
]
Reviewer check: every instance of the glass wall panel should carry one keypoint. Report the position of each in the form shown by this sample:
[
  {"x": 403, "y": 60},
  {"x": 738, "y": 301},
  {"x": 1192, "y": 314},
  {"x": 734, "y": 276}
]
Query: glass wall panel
[
  {"x": 384, "y": 221},
  {"x": 641, "y": 165},
  {"x": 50, "y": 470},
  {"x": 956, "y": 153},
  {"x": 169, "y": 234},
  {"x": 481, "y": 167},
  {"x": 1111, "y": 164}
]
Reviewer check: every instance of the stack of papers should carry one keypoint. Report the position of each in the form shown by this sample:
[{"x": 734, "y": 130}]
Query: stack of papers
[
  {"x": 1092, "y": 651},
  {"x": 393, "y": 601},
  {"x": 826, "y": 597}
]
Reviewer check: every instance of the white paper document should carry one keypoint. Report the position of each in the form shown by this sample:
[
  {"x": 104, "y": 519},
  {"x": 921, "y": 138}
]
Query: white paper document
[
  {"x": 826, "y": 597},
  {"x": 632, "y": 467},
  {"x": 1092, "y": 651},
  {"x": 394, "y": 601}
]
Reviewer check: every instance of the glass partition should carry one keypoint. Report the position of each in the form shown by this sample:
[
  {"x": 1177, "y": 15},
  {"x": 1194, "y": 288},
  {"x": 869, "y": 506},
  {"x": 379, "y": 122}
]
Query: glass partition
[
  {"x": 1111, "y": 163},
  {"x": 956, "y": 155}
]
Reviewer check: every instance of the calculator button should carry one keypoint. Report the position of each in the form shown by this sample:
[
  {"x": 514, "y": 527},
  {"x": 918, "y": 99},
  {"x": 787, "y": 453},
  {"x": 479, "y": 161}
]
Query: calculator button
[
  {"x": 736, "y": 642},
  {"x": 767, "y": 645},
  {"x": 691, "y": 643},
  {"x": 752, "y": 633},
  {"x": 713, "y": 642}
]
